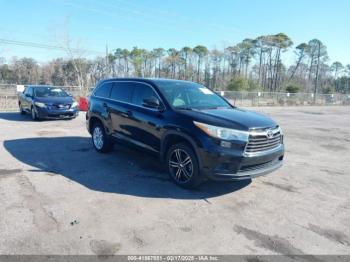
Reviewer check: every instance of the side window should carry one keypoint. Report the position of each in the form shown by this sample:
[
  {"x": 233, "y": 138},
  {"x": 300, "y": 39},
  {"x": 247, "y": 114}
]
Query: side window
[
  {"x": 122, "y": 91},
  {"x": 142, "y": 92},
  {"x": 104, "y": 90},
  {"x": 28, "y": 91}
]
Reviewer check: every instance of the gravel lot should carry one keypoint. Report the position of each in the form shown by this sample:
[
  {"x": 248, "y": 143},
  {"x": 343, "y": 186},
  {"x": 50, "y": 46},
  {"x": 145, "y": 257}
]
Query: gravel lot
[{"x": 58, "y": 196}]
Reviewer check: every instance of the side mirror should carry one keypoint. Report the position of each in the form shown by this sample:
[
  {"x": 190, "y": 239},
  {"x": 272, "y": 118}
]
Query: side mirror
[
  {"x": 28, "y": 95},
  {"x": 152, "y": 102}
]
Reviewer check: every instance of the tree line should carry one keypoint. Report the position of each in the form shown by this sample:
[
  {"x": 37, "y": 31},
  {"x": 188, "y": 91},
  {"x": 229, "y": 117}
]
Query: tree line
[{"x": 251, "y": 65}]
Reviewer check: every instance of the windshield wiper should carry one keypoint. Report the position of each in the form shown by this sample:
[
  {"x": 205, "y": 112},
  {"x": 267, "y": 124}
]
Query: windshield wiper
[
  {"x": 216, "y": 107},
  {"x": 183, "y": 108}
]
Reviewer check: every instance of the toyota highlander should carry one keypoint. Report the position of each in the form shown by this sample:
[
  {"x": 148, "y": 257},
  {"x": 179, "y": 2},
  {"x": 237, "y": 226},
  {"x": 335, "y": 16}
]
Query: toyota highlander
[{"x": 195, "y": 132}]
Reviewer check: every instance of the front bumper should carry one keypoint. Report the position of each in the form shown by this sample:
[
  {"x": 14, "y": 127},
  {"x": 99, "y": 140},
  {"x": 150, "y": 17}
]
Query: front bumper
[
  {"x": 47, "y": 113},
  {"x": 258, "y": 170},
  {"x": 218, "y": 163}
]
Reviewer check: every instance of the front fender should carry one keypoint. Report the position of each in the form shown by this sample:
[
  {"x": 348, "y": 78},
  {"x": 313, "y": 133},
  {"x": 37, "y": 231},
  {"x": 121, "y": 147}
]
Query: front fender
[{"x": 194, "y": 141}]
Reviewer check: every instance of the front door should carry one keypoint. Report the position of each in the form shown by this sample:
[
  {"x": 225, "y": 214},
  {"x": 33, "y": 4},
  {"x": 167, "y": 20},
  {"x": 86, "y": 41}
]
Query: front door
[{"x": 147, "y": 122}]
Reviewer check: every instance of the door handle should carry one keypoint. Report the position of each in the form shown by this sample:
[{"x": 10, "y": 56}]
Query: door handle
[{"x": 104, "y": 105}]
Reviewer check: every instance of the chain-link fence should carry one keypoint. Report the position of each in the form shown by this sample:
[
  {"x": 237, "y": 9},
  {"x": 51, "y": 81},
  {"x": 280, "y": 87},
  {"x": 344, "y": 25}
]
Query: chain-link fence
[
  {"x": 8, "y": 89},
  {"x": 283, "y": 99},
  {"x": 9, "y": 97},
  {"x": 8, "y": 103}
]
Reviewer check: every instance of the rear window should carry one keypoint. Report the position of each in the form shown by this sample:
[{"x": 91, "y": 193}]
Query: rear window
[
  {"x": 104, "y": 90},
  {"x": 122, "y": 91}
]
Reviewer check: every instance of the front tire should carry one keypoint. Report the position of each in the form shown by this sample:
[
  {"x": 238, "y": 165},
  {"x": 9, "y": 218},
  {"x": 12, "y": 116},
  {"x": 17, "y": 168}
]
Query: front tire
[
  {"x": 101, "y": 141},
  {"x": 34, "y": 114},
  {"x": 183, "y": 166}
]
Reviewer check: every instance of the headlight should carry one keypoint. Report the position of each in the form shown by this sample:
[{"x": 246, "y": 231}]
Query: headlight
[
  {"x": 282, "y": 136},
  {"x": 75, "y": 104},
  {"x": 40, "y": 104},
  {"x": 222, "y": 132}
]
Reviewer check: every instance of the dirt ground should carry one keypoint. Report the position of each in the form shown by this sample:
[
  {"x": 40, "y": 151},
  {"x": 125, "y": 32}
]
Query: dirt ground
[{"x": 59, "y": 196}]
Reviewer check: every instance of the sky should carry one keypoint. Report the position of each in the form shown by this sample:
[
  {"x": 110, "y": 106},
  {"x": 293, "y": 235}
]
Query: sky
[{"x": 93, "y": 24}]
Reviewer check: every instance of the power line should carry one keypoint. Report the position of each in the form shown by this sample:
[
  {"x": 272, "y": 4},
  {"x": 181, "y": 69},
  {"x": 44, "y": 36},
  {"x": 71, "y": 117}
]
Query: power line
[{"x": 44, "y": 46}]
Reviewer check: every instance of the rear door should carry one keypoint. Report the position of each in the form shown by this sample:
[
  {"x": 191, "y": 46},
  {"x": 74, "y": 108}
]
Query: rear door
[
  {"x": 120, "y": 109},
  {"x": 100, "y": 103}
]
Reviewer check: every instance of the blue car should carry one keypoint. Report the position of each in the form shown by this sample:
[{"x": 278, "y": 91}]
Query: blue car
[{"x": 47, "y": 102}]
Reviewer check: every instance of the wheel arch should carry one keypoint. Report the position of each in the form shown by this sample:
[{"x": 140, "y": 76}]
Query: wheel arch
[
  {"x": 92, "y": 121},
  {"x": 173, "y": 137}
]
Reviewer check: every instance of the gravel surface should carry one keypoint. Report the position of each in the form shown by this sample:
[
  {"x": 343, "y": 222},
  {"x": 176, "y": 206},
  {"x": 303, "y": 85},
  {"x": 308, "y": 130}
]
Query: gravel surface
[{"x": 59, "y": 196}]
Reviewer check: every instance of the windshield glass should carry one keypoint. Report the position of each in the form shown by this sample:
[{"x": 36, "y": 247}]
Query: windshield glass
[
  {"x": 48, "y": 91},
  {"x": 188, "y": 95}
]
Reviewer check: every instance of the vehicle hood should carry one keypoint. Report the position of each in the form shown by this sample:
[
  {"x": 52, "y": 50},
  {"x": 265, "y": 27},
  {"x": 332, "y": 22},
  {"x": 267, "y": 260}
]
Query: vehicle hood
[
  {"x": 231, "y": 118},
  {"x": 55, "y": 100}
]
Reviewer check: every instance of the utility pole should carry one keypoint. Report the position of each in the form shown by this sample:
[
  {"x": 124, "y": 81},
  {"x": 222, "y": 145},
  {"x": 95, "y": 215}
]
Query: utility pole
[
  {"x": 317, "y": 71},
  {"x": 107, "y": 64}
]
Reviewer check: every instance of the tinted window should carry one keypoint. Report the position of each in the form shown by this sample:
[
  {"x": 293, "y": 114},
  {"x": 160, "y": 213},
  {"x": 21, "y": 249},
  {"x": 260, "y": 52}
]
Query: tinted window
[
  {"x": 122, "y": 91},
  {"x": 29, "y": 91},
  {"x": 26, "y": 91},
  {"x": 104, "y": 90},
  {"x": 142, "y": 92}
]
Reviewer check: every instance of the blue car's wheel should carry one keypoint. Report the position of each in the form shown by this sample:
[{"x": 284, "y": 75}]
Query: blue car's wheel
[{"x": 33, "y": 114}]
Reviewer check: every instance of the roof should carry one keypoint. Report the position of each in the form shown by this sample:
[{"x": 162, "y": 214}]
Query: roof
[{"x": 147, "y": 80}]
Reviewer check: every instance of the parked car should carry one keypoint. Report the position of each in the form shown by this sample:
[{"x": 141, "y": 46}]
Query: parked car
[
  {"x": 47, "y": 102},
  {"x": 194, "y": 131}
]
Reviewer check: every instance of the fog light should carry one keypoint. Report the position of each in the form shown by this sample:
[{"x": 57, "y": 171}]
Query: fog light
[{"x": 225, "y": 144}]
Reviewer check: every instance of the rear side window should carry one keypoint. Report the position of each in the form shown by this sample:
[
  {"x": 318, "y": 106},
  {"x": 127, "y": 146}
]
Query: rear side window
[
  {"x": 29, "y": 91},
  {"x": 122, "y": 91},
  {"x": 142, "y": 92},
  {"x": 104, "y": 90}
]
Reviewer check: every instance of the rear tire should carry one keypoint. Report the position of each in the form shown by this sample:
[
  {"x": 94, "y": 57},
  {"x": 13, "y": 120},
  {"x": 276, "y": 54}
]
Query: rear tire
[
  {"x": 101, "y": 141},
  {"x": 183, "y": 166}
]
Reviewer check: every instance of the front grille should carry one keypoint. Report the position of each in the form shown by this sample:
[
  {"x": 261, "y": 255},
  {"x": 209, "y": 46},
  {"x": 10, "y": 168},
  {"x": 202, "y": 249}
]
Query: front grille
[
  {"x": 258, "y": 166},
  {"x": 59, "y": 106},
  {"x": 259, "y": 141}
]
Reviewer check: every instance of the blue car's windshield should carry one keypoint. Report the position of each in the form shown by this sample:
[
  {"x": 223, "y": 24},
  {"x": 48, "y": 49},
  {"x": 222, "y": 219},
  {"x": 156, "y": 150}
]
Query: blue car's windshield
[
  {"x": 188, "y": 95},
  {"x": 48, "y": 91}
]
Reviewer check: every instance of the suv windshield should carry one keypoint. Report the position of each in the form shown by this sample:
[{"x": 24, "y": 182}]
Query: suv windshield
[
  {"x": 188, "y": 95},
  {"x": 48, "y": 91}
]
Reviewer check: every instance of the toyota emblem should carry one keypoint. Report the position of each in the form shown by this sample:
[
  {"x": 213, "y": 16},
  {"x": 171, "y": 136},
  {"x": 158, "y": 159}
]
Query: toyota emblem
[{"x": 269, "y": 134}]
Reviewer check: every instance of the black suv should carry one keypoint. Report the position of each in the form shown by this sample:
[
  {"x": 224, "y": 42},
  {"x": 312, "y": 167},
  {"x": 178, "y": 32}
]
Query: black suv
[{"x": 197, "y": 133}]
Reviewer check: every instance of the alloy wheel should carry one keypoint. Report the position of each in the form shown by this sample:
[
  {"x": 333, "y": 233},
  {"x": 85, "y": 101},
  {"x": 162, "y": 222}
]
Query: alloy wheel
[
  {"x": 180, "y": 165},
  {"x": 98, "y": 137}
]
